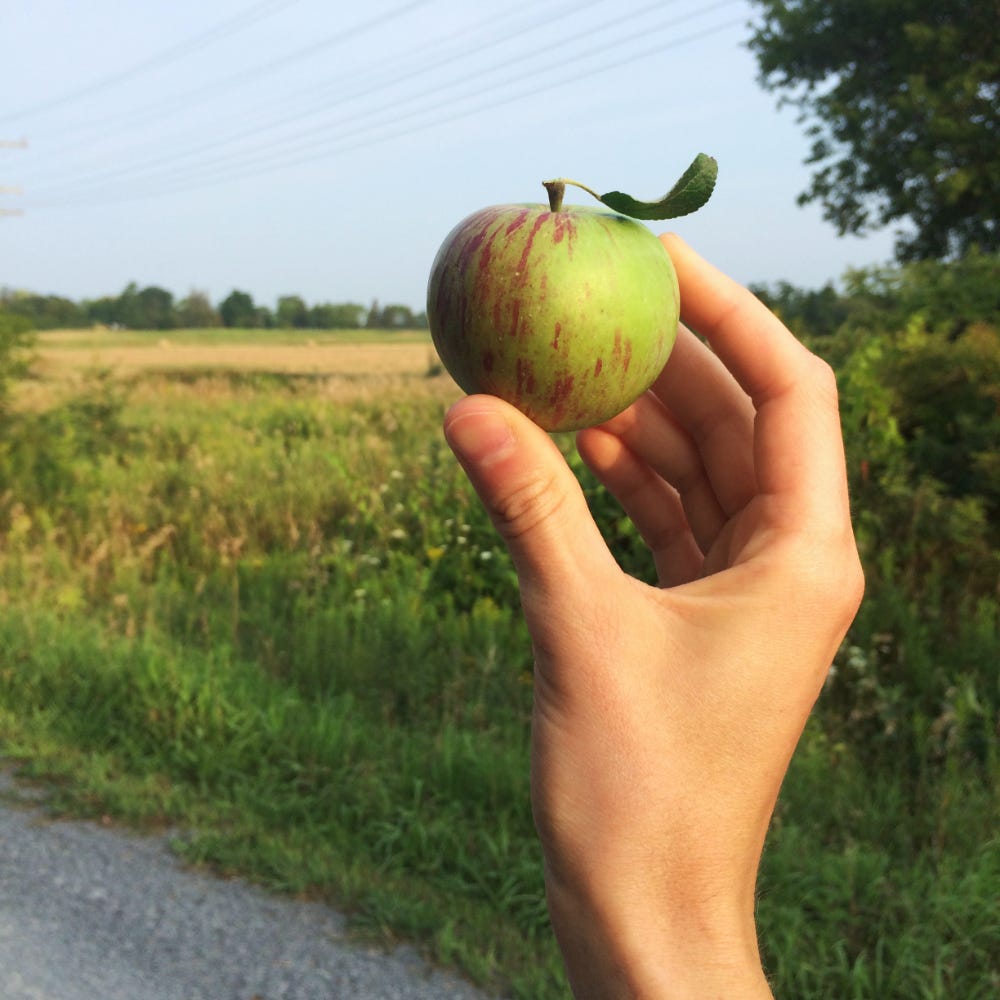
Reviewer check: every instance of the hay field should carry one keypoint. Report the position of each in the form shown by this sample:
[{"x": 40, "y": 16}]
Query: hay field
[
  {"x": 58, "y": 353},
  {"x": 344, "y": 368}
]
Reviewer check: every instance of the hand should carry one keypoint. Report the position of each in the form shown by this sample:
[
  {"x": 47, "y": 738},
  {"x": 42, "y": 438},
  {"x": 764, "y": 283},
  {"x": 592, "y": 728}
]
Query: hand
[{"x": 665, "y": 717}]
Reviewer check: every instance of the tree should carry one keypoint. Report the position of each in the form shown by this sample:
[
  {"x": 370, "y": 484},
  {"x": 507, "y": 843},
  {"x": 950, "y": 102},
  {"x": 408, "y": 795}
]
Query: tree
[
  {"x": 126, "y": 309},
  {"x": 14, "y": 338},
  {"x": 374, "y": 320},
  {"x": 903, "y": 100},
  {"x": 154, "y": 309},
  {"x": 237, "y": 309},
  {"x": 292, "y": 312},
  {"x": 103, "y": 310},
  {"x": 946, "y": 297},
  {"x": 150, "y": 308},
  {"x": 397, "y": 317},
  {"x": 196, "y": 312},
  {"x": 336, "y": 316},
  {"x": 43, "y": 312},
  {"x": 805, "y": 312}
]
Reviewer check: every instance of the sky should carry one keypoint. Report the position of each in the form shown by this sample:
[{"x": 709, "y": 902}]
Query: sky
[{"x": 325, "y": 149}]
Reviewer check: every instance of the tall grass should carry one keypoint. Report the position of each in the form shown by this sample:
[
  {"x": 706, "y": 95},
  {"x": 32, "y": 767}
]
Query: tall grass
[{"x": 279, "y": 625}]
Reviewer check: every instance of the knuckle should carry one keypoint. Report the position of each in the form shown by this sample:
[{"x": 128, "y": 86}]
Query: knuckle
[
  {"x": 526, "y": 505},
  {"x": 824, "y": 380},
  {"x": 830, "y": 578}
]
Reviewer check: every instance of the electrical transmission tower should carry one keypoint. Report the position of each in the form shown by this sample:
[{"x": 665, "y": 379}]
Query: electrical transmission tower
[{"x": 9, "y": 189}]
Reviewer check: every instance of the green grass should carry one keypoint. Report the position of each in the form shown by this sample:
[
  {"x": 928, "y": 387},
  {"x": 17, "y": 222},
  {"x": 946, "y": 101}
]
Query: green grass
[{"x": 282, "y": 627}]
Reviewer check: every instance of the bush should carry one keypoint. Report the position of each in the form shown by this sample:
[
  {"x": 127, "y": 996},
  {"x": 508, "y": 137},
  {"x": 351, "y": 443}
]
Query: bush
[{"x": 15, "y": 337}]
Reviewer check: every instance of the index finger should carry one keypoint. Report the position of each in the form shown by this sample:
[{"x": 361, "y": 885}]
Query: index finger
[
  {"x": 763, "y": 356},
  {"x": 798, "y": 447}
]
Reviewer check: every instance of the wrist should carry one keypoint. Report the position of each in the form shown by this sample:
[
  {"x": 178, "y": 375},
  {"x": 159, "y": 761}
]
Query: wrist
[{"x": 662, "y": 950}]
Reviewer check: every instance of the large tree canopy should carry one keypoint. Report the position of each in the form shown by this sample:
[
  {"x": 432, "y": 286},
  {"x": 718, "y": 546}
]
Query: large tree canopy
[{"x": 901, "y": 99}]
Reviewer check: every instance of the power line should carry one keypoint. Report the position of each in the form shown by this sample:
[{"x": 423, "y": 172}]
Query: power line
[
  {"x": 10, "y": 188},
  {"x": 157, "y": 175},
  {"x": 277, "y": 159},
  {"x": 280, "y": 159},
  {"x": 164, "y": 159},
  {"x": 186, "y": 99},
  {"x": 221, "y": 30},
  {"x": 323, "y": 93},
  {"x": 504, "y": 100}
]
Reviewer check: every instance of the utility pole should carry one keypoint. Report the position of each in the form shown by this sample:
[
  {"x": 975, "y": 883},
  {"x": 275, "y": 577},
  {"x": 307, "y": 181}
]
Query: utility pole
[{"x": 8, "y": 189}]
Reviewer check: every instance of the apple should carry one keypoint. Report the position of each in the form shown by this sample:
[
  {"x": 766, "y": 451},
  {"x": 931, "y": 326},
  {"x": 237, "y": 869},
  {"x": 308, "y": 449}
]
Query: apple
[{"x": 569, "y": 313}]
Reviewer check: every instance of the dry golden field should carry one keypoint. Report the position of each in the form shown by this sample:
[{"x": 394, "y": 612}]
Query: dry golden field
[
  {"x": 58, "y": 353},
  {"x": 340, "y": 368}
]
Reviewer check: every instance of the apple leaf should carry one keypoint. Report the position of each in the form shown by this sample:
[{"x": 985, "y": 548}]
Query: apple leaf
[{"x": 686, "y": 196}]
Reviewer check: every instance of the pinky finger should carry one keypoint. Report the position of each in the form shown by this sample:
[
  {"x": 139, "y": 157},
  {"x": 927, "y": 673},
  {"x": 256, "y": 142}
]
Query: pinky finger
[{"x": 653, "y": 505}]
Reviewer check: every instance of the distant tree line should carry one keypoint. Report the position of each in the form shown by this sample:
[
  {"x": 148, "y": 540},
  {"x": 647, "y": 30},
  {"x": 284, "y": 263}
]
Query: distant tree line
[
  {"x": 154, "y": 308},
  {"x": 947, "y": 296}
]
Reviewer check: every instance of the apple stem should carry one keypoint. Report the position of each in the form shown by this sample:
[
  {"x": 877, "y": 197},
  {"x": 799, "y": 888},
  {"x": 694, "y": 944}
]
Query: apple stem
[{"x": 557, "y": 190}]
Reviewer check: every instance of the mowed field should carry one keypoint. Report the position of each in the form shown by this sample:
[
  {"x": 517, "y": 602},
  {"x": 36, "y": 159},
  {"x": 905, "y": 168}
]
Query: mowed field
[
  {"x": 343, "y": 364},
  {"x": 67, "y": 354}
]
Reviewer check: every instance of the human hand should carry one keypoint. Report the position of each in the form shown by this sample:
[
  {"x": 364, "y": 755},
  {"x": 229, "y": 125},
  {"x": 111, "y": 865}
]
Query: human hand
[{"x": 665, "y": 717}]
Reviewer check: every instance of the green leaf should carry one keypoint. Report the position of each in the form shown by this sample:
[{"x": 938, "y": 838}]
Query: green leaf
[{"x": 686, "y": 196}]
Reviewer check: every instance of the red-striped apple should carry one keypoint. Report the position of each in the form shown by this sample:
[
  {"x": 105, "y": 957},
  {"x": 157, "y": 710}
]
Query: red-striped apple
[{"x": 569, "y": 313}]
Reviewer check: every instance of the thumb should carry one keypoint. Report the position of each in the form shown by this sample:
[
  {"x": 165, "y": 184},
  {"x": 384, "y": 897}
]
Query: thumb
[{"x": 532, "y": 497}]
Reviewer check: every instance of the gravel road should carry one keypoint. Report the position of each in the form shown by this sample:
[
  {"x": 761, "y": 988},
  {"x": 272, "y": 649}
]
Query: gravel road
[{"x": 90, "y": 913}]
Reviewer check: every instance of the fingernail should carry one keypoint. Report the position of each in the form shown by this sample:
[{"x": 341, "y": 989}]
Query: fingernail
[{"x": 480, "y": 436}]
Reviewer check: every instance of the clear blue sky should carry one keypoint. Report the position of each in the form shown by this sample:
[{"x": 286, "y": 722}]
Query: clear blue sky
[{"x": 326, "y": 148}]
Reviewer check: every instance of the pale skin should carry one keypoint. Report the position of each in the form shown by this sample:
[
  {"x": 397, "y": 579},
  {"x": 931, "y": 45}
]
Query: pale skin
[{"x": 665, "y": 717}]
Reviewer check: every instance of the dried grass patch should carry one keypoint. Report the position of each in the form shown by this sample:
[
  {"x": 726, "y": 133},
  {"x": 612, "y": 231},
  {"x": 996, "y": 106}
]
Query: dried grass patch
[
  {"x": 340, "y": 372},
  {"x": 306, "y": 358}
]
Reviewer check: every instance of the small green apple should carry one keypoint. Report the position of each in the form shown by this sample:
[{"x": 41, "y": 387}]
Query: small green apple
[{"x": 568, "y": 313}]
